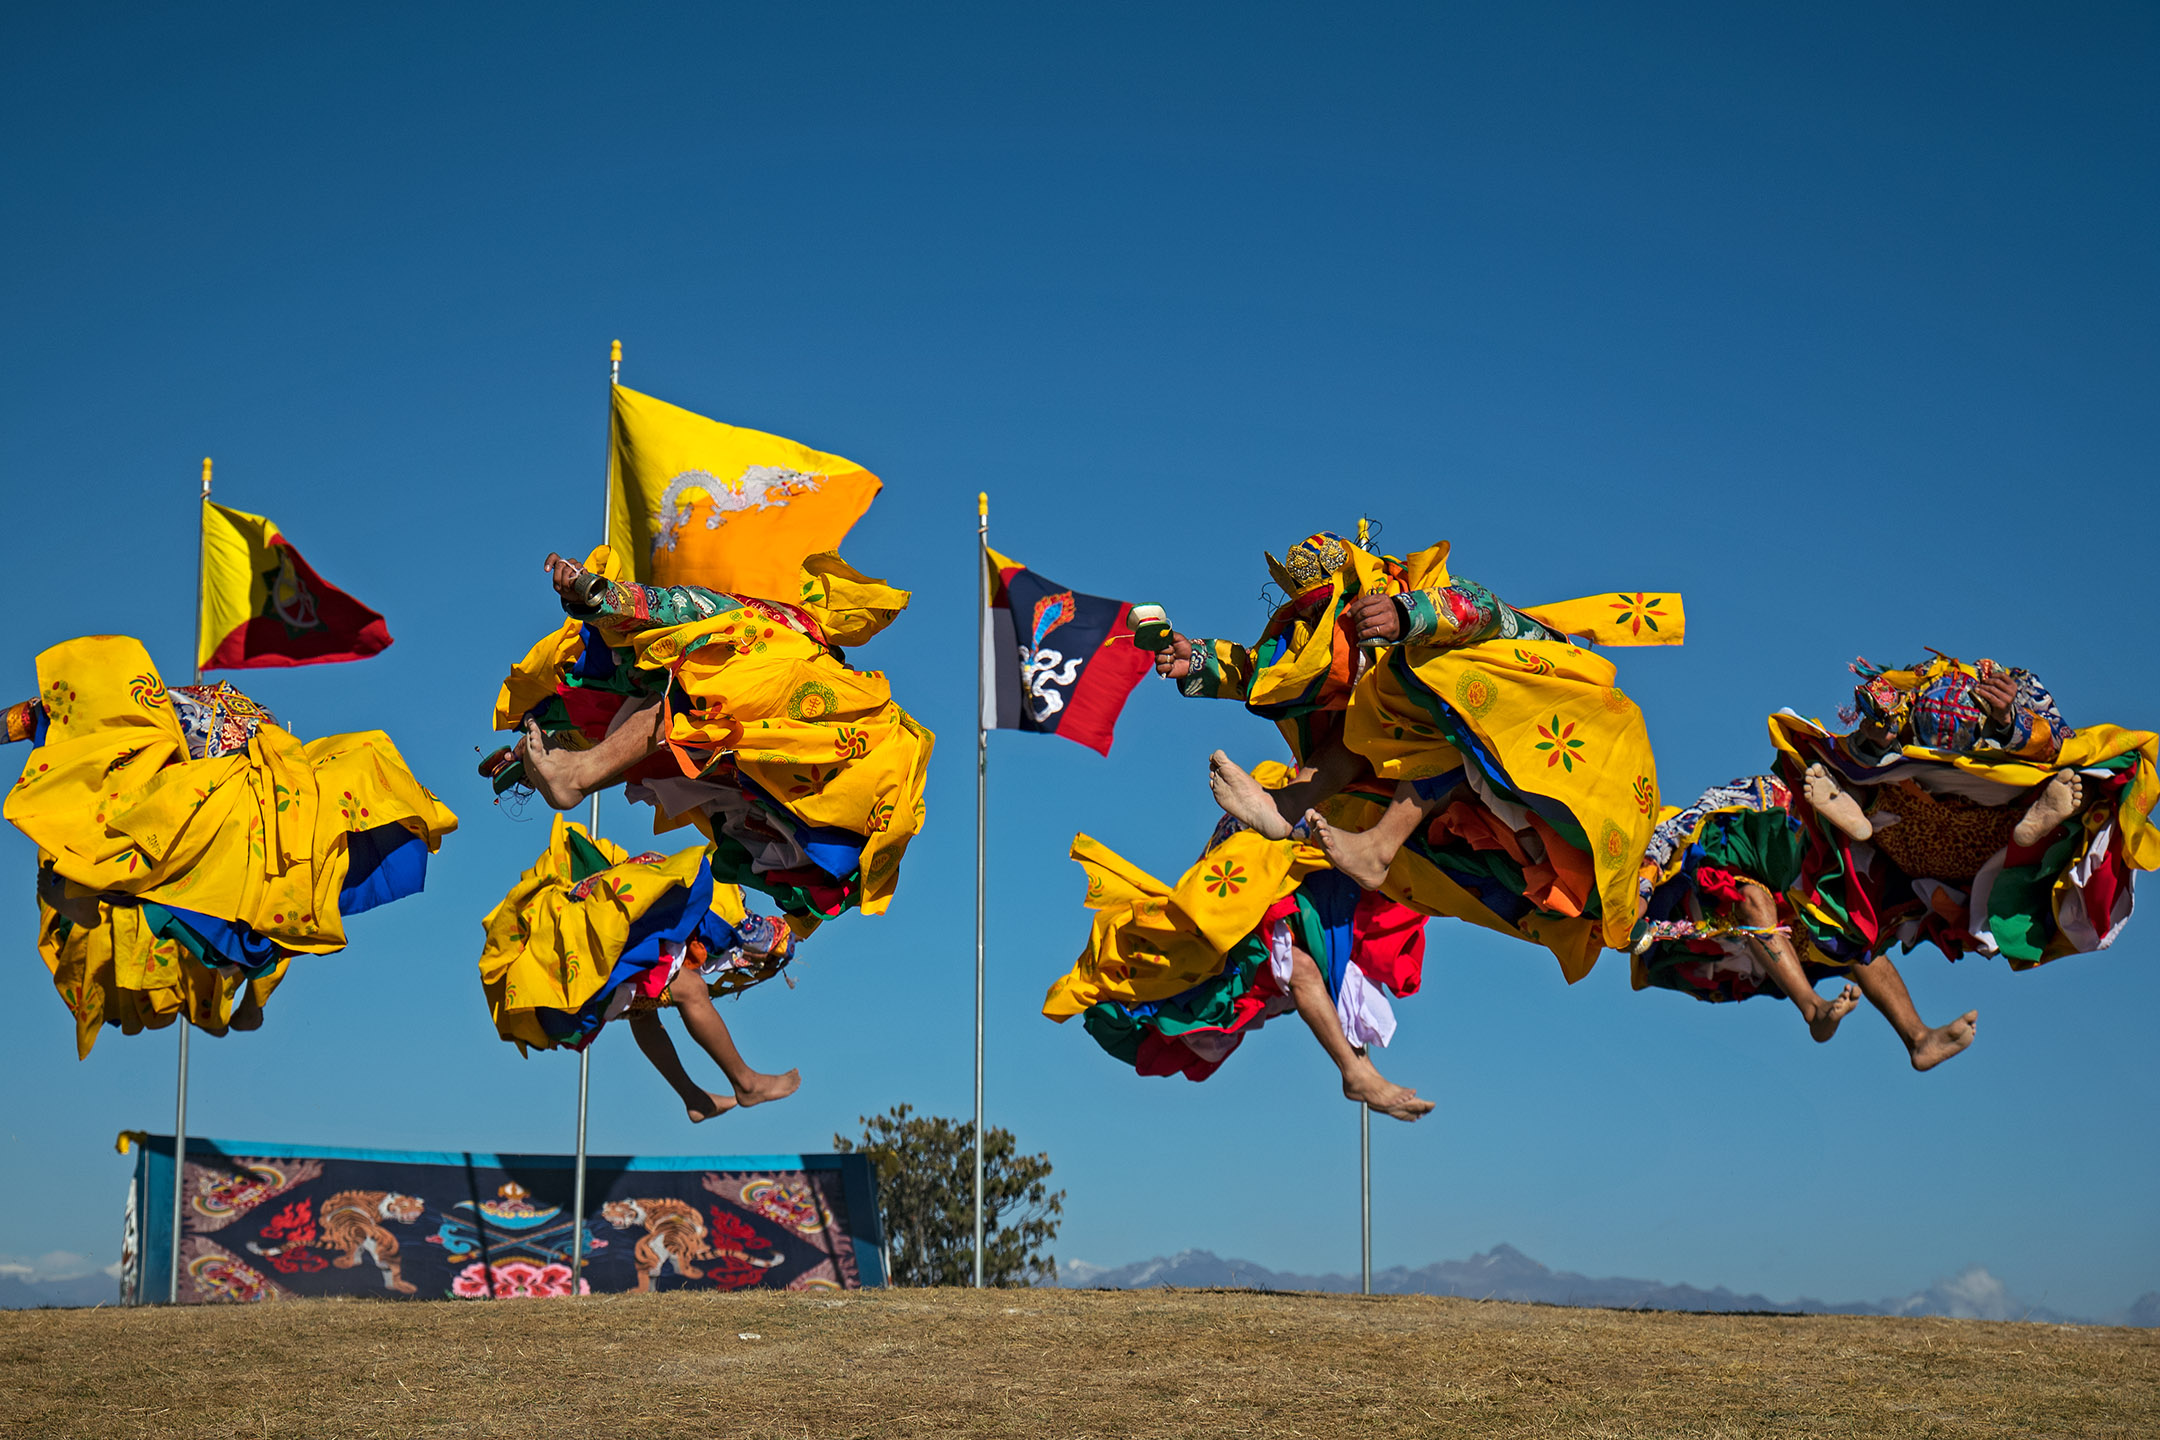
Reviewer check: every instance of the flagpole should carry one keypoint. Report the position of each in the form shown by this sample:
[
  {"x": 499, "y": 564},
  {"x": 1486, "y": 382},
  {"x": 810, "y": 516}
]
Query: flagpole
[
  {"x": 1364, "y": 540},
  {"x": 592, "y": 825},
  {"x": 181, "y": 1085},
  {"x": 982, "y": 809},
  {"x": 1365, "y": 1192}
]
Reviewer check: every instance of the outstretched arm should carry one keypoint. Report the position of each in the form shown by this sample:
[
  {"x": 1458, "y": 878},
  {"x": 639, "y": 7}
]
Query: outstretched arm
[
  {"x": 1463, "y": 613},
  {"x": 626, "y": 605},
  {"x": 1210, "y": 669}
]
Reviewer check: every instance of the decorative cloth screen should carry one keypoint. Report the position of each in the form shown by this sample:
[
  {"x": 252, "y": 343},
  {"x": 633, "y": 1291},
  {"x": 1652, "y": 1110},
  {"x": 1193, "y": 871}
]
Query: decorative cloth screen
[{"x": 266, "y": 1222}]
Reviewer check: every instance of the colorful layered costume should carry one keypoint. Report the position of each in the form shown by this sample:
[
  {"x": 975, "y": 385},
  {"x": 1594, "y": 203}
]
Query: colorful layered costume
[
  {"x": 188, "y": 847},
  {"x": 1541, "y": 769},
  {"x": 802, "y": 770},
  {"x": 1174, "y": 978},
  {"x": 1944, "y": 787},
  {"x": 590, "y": 933},
  {"x": 1547, "y": 785}
]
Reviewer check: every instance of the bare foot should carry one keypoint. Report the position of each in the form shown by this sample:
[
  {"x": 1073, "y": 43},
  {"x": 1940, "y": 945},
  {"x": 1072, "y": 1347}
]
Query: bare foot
[
  {"x": 1243, "y": 798},
  {"x": 548, "y": 770},
  {"x": 247, "y": 1012},
  {"x": 1825, "y": 1021},
  {"x": 2059, "y": 800},
  {"x": 1384, "y": 1095},
  {"x": 1945, "y": 1041},
  {"x": 1356, "y": 853},
  {"x": 768, "y": 1087},
  {"x": 700, "y": 1111},
  {"x": 1835, "y": 803}
]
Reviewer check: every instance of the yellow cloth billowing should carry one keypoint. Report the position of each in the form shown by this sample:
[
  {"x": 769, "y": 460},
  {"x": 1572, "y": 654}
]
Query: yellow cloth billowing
[
  {"x": 1640, "y": 617},
  {"x": 552, "y": 940},
  {"x": 1149, "y": 941},
  {"x": 821, "y": 737},
  {"x": 117, "y": 973},
  {"x": 261, "y": 837},
  {"x": 1549, "y": 714},
  {"x": 692, "y": 501}
]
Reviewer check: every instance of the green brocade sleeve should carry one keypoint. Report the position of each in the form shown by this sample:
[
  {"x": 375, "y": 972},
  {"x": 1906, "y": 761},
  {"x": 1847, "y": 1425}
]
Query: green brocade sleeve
[{"x": 1221, "y": 670}]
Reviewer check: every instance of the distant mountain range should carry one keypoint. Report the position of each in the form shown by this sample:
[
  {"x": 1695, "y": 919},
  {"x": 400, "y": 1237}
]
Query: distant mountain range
[
  {"x": 17, "y": 1293},
  {"x": 1505, "y": 1273}
]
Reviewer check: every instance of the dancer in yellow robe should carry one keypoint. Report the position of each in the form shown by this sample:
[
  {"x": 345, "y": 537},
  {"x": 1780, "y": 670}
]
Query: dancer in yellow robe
[
  {"x": 188, "y": 846},
  {"x": 735, "y": 714}
]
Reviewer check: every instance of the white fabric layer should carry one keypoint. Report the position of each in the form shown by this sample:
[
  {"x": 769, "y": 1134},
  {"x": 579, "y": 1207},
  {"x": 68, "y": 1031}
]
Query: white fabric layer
[{"x": 1362, "y": 1008}]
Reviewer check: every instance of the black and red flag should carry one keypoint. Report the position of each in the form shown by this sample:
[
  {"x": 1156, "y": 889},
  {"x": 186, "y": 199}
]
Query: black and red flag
[{"x": 1055, "y": 661}]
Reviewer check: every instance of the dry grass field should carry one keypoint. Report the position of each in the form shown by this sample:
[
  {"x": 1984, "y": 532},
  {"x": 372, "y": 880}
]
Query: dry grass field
[{"x": 1053, "y": 1364}]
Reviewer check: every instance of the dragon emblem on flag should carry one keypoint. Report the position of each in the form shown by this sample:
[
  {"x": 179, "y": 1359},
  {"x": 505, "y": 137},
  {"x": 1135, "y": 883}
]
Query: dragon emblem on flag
[{"x": 760, "y": 487}]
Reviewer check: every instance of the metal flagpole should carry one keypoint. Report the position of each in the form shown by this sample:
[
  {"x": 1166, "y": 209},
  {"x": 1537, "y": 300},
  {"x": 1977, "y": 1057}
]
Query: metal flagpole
[
  {"x": 180, "y": 1103},
  {"x": 1364, "y": 1149},
  {"x": 1364, "y": 540},
  {"x": 982, "y": 809},
  {"x": 592, "y": 825}
]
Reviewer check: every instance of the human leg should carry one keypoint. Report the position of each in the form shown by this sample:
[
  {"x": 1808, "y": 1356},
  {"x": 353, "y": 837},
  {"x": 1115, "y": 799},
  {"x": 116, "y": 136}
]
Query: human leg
[
  {"x": 659, "y": 1047},
  {"x": 1929, "y": 1046},
  {"x": 752, "y": 1087},
  {"x": 1758, "y": 908},
  {"x": 1362, "y": 1082},
  {"x": 1365, "y": 855},
  {"x": 565, "y": 777},
  {"x": 1274, "y": 812}
]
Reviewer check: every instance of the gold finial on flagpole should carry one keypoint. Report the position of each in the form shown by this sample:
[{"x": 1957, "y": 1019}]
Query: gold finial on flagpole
[
  {"x": 1364, "y": 532},
  {"x": 205, "y": 477},
  {"x": 982, "y": 502},
  {"x": 615, "y": 362}
]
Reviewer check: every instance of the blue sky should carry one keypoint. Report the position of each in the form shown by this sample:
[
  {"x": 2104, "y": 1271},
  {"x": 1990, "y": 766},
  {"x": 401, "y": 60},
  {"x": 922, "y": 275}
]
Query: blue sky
[{"x": 1840, "y": 321}]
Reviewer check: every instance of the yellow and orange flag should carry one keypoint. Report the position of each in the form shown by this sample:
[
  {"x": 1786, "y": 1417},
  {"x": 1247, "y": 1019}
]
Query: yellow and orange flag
[{"x": 694, "y": 502}]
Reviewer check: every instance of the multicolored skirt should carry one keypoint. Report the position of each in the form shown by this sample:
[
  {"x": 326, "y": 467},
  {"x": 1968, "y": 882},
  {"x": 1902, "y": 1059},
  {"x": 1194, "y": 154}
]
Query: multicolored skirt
[
  {"x": 590, "y": 933},
  {"x": 1174, "y": 978},
  {"x": 1943, "y": 866},
  {"x": 169, "y": 882}
]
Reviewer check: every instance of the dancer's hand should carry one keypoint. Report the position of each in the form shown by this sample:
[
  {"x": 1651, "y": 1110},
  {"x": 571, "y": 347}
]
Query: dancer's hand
[
  {"x": 1375, "y": 617},
  {"x": 1174, "y": 660},
  {"x": 1997, "y": 696},
  {"x": 562, "y": 572}
]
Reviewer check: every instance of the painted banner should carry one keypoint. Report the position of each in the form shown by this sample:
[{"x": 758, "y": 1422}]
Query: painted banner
[{"x": 272, "y": 1222}]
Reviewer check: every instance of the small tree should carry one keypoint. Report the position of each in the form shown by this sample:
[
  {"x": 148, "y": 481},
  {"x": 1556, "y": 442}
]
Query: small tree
[{"x": 926, "y": 1183}]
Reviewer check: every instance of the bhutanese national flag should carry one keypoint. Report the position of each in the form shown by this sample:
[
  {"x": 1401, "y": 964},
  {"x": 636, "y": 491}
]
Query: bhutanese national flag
[
  {"x": 263, "y": 605},
  {"x": 694, "y": 502},
  {"x": 1055, "y": 661}
]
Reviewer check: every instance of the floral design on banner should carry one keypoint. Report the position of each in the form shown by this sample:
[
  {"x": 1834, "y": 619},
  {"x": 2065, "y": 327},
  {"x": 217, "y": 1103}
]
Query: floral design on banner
[
  {"x": 515, "y": 1280},
  {"x": 790, "y": 1205}
]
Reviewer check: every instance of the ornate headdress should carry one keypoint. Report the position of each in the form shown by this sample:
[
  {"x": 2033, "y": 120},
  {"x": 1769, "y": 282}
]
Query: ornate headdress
[{"x": 1310, "y": 563}]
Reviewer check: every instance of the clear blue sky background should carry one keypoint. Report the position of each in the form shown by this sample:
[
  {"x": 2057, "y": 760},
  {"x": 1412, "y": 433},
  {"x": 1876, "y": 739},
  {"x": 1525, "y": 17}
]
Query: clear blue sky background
[{"x": 1841, "y": 321}]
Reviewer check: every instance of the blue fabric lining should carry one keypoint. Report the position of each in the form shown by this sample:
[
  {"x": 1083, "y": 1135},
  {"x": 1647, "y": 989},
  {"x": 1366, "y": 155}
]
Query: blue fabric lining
[
  {"x": 213, "y": 941},
  {"x": 387, "y": 863}
]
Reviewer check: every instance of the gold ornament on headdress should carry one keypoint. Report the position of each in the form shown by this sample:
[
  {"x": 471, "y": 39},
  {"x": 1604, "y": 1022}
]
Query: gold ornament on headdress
[{"x": 1311, "y": 562}]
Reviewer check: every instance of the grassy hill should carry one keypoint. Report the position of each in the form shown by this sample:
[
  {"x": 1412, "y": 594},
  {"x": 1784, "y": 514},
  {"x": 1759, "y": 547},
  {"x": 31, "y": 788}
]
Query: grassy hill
[{"x": 1048, "y": 1363}]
